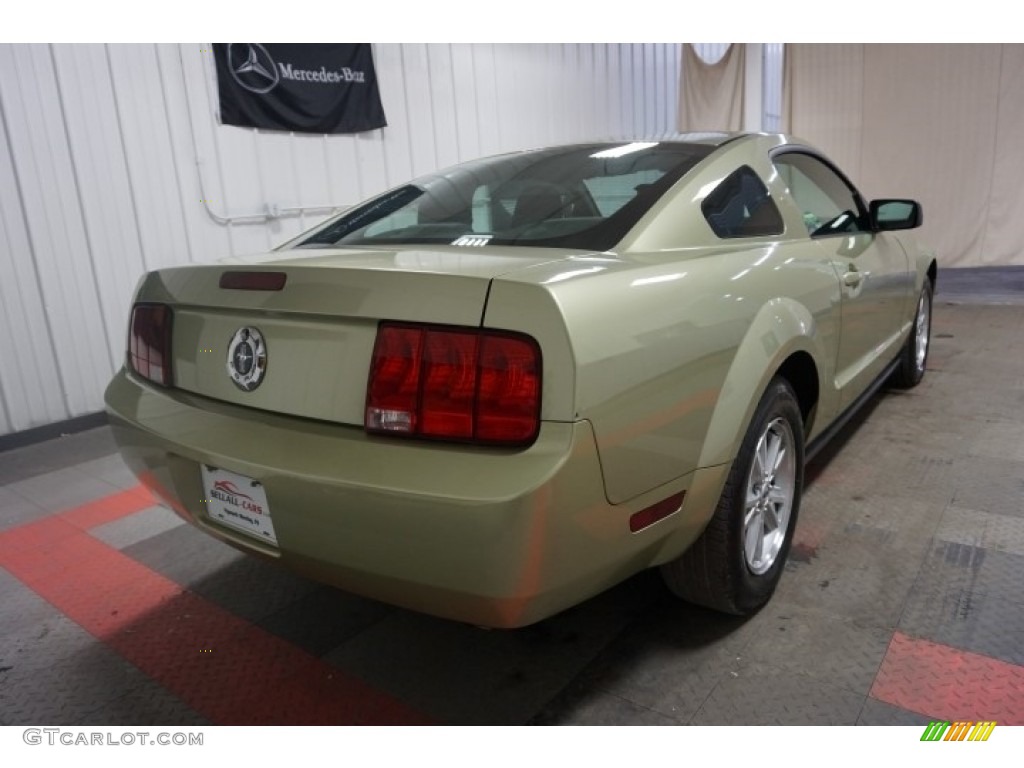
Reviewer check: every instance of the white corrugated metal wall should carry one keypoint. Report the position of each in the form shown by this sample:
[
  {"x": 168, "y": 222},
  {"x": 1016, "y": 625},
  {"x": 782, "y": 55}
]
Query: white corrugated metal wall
[{"x": 112, "y": 163}]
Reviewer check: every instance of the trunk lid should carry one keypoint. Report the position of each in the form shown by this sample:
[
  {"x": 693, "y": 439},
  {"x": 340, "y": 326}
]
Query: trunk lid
[{"x": 319, "y": 328}]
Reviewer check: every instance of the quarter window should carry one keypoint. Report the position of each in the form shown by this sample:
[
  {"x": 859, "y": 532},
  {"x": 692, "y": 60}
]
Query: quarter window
[
  {"x": 741, "y": 207},
  {"x": 828, "y": 204}
]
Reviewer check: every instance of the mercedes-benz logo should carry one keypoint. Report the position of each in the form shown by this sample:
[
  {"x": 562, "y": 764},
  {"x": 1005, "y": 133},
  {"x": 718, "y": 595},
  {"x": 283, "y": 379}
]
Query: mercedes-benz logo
[
  {"x": 252, "y": 67},
  {"x": 247, "y": 358}
]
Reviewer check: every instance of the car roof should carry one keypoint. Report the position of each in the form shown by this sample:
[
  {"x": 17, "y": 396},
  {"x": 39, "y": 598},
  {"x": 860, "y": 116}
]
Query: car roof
[
  {"x": 711, "y": 138},
  {"x": 704, "y": 138}
]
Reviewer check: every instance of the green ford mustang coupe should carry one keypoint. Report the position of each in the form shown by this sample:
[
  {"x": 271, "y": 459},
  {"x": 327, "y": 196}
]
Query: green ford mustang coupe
[{"x": 500, "y": 389}]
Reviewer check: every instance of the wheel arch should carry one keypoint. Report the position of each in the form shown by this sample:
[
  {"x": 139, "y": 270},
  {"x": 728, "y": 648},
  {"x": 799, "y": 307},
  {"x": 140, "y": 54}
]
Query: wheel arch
[
  {"x": 781, "y": 341},
  {"x": 801, "y": 372}
]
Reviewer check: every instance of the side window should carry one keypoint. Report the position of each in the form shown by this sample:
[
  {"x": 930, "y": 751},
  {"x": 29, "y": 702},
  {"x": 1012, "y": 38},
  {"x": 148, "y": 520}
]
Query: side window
[
  {"x": 828, "y": 204},
  {"x": 741, "y": 207}
]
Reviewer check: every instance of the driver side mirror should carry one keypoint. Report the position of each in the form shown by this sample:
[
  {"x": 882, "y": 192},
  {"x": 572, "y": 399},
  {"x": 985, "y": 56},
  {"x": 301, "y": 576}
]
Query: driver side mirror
[{"x": 889, "y": 215}]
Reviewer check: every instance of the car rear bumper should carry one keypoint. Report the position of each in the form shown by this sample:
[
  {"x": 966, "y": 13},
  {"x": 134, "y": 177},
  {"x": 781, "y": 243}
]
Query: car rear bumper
[{"x": 493, "y": 537}]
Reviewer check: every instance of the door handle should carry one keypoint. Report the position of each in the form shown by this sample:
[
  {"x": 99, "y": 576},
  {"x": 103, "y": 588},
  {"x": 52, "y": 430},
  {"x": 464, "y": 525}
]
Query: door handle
[{"x": 853, "y": 279}]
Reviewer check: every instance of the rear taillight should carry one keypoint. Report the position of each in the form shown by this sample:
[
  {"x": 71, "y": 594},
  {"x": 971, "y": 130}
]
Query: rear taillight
[
  {"x": 454, "y": 384},
  {"x": 149, "y": 342}
]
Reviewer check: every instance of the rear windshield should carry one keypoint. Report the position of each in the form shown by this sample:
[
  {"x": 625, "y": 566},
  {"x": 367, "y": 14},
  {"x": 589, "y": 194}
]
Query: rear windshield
[{"x": 585, "y": 196}]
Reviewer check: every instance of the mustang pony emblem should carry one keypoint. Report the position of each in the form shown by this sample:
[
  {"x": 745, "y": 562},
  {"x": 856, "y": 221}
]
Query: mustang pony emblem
[{"x": 247, "y": 358}]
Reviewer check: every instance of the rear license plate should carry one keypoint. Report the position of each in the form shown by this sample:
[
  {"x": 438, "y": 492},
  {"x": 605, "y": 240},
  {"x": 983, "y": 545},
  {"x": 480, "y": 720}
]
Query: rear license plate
[{"x": 239, "y": 502}]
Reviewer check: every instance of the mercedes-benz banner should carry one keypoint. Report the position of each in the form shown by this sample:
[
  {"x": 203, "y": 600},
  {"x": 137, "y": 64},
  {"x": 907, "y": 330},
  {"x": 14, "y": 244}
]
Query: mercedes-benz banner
[{"x": 312, "y": 88}]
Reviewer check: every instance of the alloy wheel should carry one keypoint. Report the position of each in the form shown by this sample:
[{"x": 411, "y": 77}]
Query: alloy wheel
[
  {"x": 921, "y": 330},
  {"x": 769, "y": 500}
]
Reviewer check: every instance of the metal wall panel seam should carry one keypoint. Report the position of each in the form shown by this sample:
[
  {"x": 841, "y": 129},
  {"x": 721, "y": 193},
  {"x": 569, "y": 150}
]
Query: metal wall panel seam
[
  {"x": 175, "y": 161},
  {"x": 293, "y": 165},
  {"x": 638, "y": 71},
  {"x": 408, "y": 111},
  {"x": 395, "y": 156},
  {"x": 360, "y": 183},
  {"x": 29, "y": 335},
  {"x": 633, "y": 125},
  {"x": 587, "y": 95},
  {"x": 89, "y": 235},
  {"x": 497, "y": 103},
  {"x": 433, "y": 112},
  {"x": 456, "y": 105},
  {"x": 430, "y": 104},
  {"x": 648, "y": 96},
  {"x": 324, "y": 147},
  {"x": 577, "y": 66},
  {"x": 636, "y": 94},
  {"x": 670, "y": 74},
  {"x": 96, "y": 148},
  {"x": 376, "y": 162},
  {"x": 50, "y": 215},
  {"x": 459, "y": 142},
  {"x": 556, "y": 96},
  {"x": 444, "y": 105},
  {"x": 9, "y": 412},
  {"x": 419, "y": 143},
  {"x": 8, "y": 424},
  {"x": 477, "y": 101},
  {"x": 124, "y": 151},
  {"x": 657, "y": 84},
  {"x": 625, "y": 76},
  {"x": 610, "y": 91},
  {"x": 64, "y": 392},
  {"x": 468, "y": 107},
  {"x": 9, "y": 327},
  {"x": 492, "y": 115},
  {"x": 377, "y": 143},
  {"x": 615, "y": 68},
  {"x": 666, "y": 77},
  {"x": 677, "y": 60}
]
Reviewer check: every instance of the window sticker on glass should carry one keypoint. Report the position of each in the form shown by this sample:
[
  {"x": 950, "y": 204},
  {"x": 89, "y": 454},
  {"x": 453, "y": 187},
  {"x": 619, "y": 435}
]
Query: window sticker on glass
[{"x": 473, "y": 241}]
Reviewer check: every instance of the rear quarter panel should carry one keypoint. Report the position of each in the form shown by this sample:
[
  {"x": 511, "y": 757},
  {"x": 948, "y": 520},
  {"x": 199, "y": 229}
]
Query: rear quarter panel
[{"x": 667, "y": 359}]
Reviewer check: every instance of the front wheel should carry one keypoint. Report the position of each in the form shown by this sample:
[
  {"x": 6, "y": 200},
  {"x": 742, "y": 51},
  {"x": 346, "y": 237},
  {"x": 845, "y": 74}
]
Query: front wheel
[
  {"x": 736, "y": 563},
  {"x": 910, "y": 370}
]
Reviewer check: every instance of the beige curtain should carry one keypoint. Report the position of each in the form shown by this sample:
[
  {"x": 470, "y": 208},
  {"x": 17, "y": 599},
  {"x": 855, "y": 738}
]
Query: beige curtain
[
  {"x": 940, "y": 123},
  {"x": 711, "y": 95}
]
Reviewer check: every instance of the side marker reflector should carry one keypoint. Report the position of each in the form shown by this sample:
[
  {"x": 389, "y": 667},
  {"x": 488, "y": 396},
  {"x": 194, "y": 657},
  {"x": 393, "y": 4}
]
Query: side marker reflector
[{"x": 646, "y": 517}]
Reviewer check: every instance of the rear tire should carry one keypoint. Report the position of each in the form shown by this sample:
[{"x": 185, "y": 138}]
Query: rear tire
[
  {"x": 736, "y": 563},
  {"x": 914, "y": 356}
]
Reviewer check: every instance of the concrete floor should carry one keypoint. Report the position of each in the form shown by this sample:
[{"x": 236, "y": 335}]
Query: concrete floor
[{"x": 901, "y": 602}]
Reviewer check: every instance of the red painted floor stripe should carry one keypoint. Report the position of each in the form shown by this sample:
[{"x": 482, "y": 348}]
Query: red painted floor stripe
[
  {"x": 948, "y": 683},
  {"x": 225, "y": 668},
  {"x": 109, "y": 508}
]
